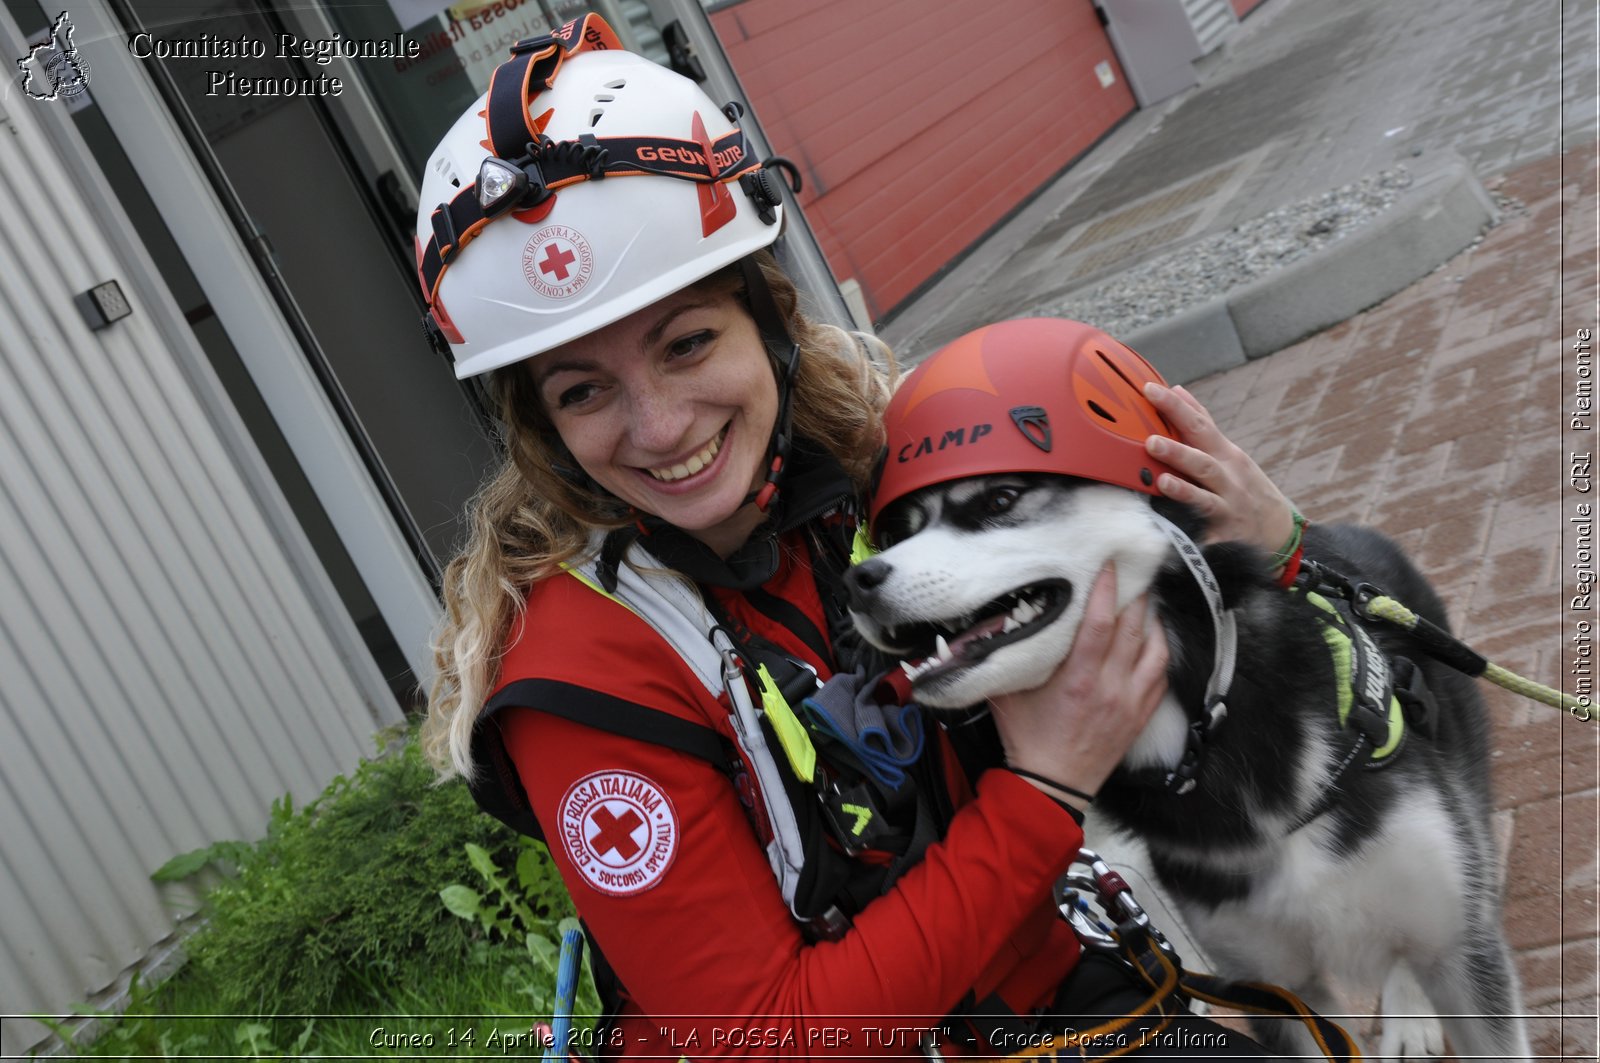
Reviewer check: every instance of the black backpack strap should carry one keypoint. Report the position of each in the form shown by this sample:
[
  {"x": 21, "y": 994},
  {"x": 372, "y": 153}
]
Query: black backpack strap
[
  {"x": 497, "y": 787},
  {"x": 614, "y": 715}
]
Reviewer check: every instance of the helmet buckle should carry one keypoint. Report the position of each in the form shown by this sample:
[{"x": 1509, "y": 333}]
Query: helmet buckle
[
  {"x": 534, "y": 44},
  {"x": 435, "y": 337},
  {"x": 758, "y": 185}
]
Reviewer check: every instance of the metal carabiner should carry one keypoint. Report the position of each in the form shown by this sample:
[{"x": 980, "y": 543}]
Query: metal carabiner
[{"x": 1096, "y": 879}]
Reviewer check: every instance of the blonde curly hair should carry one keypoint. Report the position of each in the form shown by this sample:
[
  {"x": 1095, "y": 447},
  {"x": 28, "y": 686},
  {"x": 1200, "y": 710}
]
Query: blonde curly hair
[{"x": 528, "y": 519}]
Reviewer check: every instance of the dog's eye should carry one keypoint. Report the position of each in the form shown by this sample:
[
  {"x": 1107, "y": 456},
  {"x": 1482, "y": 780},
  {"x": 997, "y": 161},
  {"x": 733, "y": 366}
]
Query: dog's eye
[
  {"x": 999, "y": 500},
  {"x": 891, "y": 529}
]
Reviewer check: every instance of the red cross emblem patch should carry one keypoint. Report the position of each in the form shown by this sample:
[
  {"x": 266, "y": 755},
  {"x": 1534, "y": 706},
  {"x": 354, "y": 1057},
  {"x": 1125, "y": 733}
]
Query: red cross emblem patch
[
  {"x": 557, "y": 261},
  {"x": 620, "y": 831}
]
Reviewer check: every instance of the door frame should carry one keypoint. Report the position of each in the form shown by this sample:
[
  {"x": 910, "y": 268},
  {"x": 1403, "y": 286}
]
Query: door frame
[{"x": 267, "y": 345}]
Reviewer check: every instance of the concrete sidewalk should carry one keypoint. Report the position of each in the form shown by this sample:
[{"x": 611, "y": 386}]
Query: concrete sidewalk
[
  {"x": 1305, "y": 96},
  {"x": 1439, "y": 415}
]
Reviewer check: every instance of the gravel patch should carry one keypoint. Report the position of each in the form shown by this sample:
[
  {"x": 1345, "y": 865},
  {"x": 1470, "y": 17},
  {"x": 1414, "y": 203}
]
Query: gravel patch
[{"x": 1214, "y": 265}]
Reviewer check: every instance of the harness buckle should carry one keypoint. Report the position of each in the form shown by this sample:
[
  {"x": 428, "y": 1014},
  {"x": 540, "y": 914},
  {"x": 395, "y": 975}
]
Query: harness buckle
[
  {"x": 1416, "y": 700},
  {"x": 831, "y": 925},
  {"x": 1361, "y": 596},
  {"x": 835, "y": 803},
  {"x": 1181, "y": 779}
]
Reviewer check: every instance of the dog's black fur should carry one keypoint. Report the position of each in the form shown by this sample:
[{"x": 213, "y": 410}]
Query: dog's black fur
[
  {"x": 1234, "y": 847},
  {"x": 1281, "y": 690}
]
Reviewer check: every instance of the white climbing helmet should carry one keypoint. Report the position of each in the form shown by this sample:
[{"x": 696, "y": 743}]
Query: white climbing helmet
[{"x": 511, "y": 270}]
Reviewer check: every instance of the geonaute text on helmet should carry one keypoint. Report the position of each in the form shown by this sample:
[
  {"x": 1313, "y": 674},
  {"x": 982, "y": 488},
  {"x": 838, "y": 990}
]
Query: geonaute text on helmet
[
  {"x": 321, "y": 51},
  {"x": 721, "y": 160},
  {"x": 955, "y": 437}
]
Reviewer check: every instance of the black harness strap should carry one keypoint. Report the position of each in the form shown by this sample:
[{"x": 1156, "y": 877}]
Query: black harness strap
[
  {"x": 513, "y": 133},
  {"x": 615, "y": 716},
  {"x": 792, "y": 618},
  {"x": 530, "y": 70}
]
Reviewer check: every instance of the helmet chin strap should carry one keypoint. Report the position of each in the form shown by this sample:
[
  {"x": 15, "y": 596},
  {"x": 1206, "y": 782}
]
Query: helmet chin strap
[
  {"x": 1225, "y": 653},
  {"x": 785, "y": 352}
]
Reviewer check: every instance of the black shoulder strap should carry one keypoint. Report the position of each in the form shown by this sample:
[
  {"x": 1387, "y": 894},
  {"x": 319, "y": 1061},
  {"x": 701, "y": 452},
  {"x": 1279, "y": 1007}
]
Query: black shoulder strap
[
  {"x": 615, "y": 715},
  {"x": 497, "y": 787}
]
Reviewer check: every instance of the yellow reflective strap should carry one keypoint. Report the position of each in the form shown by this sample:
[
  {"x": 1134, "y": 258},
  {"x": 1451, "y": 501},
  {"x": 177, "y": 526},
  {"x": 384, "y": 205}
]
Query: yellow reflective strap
[
  {"x": 1339, "y": 646},
  {"x": 791, "y": 735},
  {"x": 861, "y": 547},
  {"x": 592, "y": 585},
  {"x": 1338, "y": 641},
  {"x": 1397, "y": 730}
]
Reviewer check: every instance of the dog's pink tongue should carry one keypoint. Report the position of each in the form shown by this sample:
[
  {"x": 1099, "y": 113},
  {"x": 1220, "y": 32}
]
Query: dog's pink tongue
[{"x": 982, "y": 629}]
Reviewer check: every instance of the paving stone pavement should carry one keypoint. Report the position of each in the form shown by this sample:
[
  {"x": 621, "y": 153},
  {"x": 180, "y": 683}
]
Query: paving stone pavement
[
  {"x": 1440, "y": 416},
  {"x": 1436, "y": 416}
]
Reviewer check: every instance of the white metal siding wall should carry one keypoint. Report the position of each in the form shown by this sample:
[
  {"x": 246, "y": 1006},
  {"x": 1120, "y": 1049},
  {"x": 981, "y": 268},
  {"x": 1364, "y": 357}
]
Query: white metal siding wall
[{"x": 164, "y": 672}]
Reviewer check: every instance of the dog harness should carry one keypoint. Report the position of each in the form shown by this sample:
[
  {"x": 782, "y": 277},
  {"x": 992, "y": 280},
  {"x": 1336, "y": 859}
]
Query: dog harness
[{"x": 1377, "y": 696}]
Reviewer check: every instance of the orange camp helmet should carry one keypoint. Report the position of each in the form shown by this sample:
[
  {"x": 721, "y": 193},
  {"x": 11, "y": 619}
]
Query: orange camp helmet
[{"x": 1031, "y": 395}]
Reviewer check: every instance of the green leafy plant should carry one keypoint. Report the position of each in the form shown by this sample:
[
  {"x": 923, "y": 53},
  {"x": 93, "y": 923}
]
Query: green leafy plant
[
  {"x": 507, "y": 912},
  {"x": 503, "y": 911},
  {"x": 339, "y": 899},
  {"x": 337, "y": 912}
]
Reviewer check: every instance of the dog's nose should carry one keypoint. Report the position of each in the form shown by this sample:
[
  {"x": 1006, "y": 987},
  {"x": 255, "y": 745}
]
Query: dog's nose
[{"x": 862, "y": 580}]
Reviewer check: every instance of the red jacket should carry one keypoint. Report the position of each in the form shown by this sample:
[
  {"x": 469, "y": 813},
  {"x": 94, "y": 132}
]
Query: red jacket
[{"x": 663, "y": 864}]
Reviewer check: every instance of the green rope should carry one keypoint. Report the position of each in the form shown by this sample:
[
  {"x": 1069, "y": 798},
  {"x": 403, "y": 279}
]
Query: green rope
[{"x": 1387, "y": 608}]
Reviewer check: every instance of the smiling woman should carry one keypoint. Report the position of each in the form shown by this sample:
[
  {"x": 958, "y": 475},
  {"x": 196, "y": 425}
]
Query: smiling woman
[
  {"x": 670, "y": 410},
  {"x": 646, "y": 631}
]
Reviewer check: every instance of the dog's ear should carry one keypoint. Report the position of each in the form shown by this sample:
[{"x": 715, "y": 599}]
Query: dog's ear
[{"x": 1240, "y": 567}]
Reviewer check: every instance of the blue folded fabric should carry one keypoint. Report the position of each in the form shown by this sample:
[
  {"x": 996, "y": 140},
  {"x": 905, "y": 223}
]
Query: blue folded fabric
[{"x": 885, "y": 738}]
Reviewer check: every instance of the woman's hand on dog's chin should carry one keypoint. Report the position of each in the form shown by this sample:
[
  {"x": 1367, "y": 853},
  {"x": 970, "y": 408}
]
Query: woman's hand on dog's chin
[
  {"x": 1078, "y": 725},
  {"x": 1227, "y": 487}
]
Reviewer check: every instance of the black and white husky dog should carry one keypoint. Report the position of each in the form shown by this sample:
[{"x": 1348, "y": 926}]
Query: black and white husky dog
[{"x": 1285, "y": 868}]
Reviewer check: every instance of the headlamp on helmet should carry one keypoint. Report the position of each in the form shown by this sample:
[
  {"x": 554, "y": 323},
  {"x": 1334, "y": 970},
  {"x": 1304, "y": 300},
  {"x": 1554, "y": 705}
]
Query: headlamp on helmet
[
  {"x": 557, "y": 253},
  {"x": 502, "y": 187}
]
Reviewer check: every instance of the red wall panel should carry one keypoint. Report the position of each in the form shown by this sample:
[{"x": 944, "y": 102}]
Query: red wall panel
[{"x": 919, "y": 126}]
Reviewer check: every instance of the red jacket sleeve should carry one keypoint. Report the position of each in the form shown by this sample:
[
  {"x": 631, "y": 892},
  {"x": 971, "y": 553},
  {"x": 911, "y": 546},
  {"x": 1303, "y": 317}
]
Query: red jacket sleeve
[{"x": 667, "y": 872}]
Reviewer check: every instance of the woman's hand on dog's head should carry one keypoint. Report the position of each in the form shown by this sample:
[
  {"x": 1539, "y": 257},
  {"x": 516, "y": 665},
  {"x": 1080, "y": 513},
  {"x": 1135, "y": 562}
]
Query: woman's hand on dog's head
[
  {"x": 1087, "y": 715},
  {"x": 1223, "y": 483}
]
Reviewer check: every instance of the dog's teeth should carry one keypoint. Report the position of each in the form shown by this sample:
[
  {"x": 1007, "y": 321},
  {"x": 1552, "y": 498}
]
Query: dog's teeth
[
  {"x": 909, "y": 669},
  {"x": 1025, "y": 611},
  {"x": 941, "y": 648},
  {"x": 1009, "y": 626}
]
